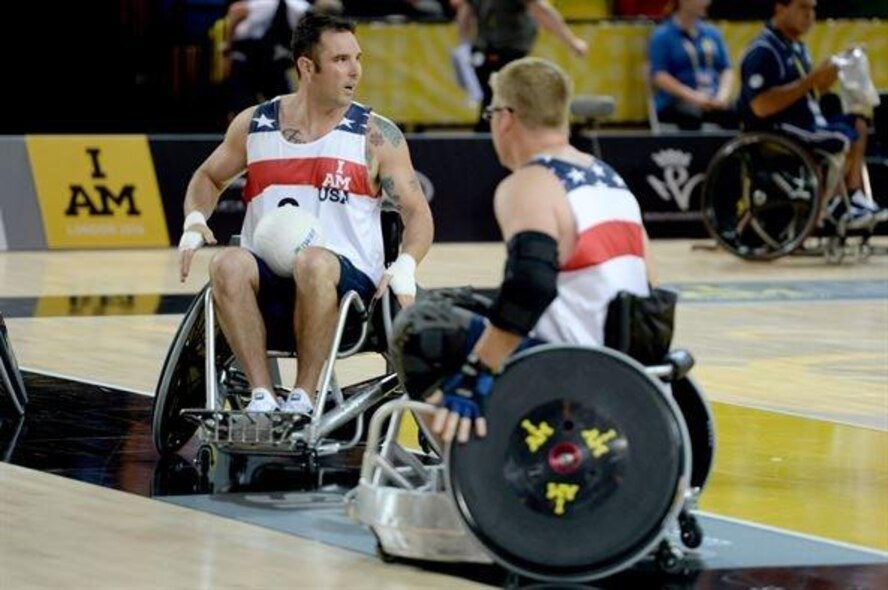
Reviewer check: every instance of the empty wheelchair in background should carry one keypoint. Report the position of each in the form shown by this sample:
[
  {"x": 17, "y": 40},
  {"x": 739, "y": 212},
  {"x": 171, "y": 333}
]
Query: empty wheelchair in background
[
  {"x": 592, "y": 462},
  {"x": 765, "y": 195},
  {"x": 202, "y": 390}
]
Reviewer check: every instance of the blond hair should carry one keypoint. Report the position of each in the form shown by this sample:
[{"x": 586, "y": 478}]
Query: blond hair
[{"x": 536, "y": 90}]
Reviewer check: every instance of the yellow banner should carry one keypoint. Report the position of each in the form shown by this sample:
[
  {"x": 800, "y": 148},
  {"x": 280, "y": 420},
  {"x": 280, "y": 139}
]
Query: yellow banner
[
  {"x": 408, "y": 75},
  {"x": 97, "y": 191}
]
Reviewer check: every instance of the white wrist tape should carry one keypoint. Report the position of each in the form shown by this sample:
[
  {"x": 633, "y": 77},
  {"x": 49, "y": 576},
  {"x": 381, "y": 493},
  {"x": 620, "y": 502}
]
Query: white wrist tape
[
  {"x": 192, "y": 240},
  {"x": 403, "y": 272},
  {"x": 194, "y": 218}
]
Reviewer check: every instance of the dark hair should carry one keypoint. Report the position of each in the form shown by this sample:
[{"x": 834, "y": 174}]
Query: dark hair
[
  {"x": 307, "y": 34},
  {"x": 782, "y": 3}
]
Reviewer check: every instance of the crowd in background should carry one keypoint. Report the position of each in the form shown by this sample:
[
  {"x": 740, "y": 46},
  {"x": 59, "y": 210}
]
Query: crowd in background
[{"x": 144, "y": 65}]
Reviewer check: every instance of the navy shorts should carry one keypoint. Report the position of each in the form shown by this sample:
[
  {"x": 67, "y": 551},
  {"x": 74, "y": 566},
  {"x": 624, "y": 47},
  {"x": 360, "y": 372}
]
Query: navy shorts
[
  {"x": 835, "y": 138},
  {"x": 277, "y": 296}
]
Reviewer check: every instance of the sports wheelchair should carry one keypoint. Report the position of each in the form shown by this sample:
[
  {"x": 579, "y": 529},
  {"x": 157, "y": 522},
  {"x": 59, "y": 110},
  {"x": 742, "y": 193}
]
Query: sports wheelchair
[
  {"x": 591, "y": 463},
  {"x": 202, "y": 389},
  {"x": 764, "y": 198}
]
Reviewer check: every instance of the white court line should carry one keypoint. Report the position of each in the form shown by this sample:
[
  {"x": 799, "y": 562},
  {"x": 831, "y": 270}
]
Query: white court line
[
  {"x": 81, "y": 380},
  {"x": 796, "y": 414},
  {"x": 807, "y": 536}
]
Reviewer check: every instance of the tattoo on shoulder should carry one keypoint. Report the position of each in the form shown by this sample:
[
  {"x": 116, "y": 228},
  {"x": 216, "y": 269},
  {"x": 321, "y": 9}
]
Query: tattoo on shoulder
[
  {"x": 385, "y": 130},
  {"x": 375, "y": 138}
]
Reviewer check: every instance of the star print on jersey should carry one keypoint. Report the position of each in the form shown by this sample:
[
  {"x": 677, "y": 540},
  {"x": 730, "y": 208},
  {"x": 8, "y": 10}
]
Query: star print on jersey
[
  {"x": 576, "y": 176},
  {"x": 263, "y": 121},
  {"x": 571, "y": 177}
]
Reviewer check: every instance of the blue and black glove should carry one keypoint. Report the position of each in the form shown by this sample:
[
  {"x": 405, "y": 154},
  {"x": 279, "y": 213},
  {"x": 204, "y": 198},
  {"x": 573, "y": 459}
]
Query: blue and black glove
[{"x": 467, "y": 391}]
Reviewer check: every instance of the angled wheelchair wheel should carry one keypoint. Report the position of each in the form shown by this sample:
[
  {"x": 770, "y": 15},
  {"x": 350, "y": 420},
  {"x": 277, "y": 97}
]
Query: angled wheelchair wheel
[
  {"x": 13, "y": 396},
  {"x": 762, "y": 196},
  {"x": 700, "y": 423},
  {"x": 182, "y": 382},
  {"x": 583, "y": 469}
]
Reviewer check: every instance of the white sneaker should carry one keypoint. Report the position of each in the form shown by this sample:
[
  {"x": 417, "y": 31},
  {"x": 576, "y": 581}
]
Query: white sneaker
[
  {"x": 860, "y": 199},
  {"x": 853, "y": 216},
  {"x": 263, "y": 401},
  {"x": 298, "y": 402}
]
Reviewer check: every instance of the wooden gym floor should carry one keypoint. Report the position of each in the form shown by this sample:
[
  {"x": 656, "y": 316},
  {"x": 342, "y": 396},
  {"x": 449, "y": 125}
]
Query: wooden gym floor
[{"x": 793, "y": 354}]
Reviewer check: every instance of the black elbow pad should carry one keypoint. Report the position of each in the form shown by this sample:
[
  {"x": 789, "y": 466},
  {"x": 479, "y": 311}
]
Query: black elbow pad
[{"x": 530, "y": 283}]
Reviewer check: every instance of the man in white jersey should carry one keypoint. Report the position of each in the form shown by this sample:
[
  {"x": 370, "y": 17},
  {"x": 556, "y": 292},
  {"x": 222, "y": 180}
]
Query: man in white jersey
[
  {"x": 320, "y": 150},
  {"x": 574, "y": 233}
]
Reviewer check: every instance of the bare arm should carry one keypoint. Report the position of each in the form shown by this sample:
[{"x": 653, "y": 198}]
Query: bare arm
[
  {"x": 227, "y": 161},
  {"x": 776, "y": 99},
  {"x": 237, "y": 12},
  {"x": 550, "y": 19},
  {"x": 398, "y": 178},
  {"x": 725, "y": 87},
  {"x": 518, "y": 208},
  {"x": 466, "y": 24}
]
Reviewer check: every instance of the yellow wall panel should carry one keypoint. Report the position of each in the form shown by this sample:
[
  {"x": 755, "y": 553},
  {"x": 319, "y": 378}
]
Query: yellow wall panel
[
  {"x": 408, "y": 75},
  {"x": 97, "y": 191}
]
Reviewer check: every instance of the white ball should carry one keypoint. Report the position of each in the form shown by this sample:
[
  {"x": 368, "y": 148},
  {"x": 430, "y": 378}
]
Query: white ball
[{"x": 281, "y": 234}]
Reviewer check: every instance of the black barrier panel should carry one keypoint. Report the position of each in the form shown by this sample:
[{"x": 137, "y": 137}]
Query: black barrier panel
[
  {"x": 459, "y": 174},
  {"x": 666, "y": 174},
  {"x": 175, "y": 160}
]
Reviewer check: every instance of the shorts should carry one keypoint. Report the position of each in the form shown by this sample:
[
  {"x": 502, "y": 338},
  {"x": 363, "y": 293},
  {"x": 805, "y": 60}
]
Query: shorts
[
  {"x": 277, "y": 296},
  {"x": 833, "y": 138}
]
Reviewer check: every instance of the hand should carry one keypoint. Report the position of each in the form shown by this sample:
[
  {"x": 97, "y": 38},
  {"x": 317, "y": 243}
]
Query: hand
[
  {"x": 579, "y": 47},
  {"x": 464, "y": 398},
  {"x": 719, "y": 104},
  {"x": 400, "y": 276},
  {"x": 824, "y": 75},
  {"x": 196, "y": 234},
  {"x": 703, "y": 101}
]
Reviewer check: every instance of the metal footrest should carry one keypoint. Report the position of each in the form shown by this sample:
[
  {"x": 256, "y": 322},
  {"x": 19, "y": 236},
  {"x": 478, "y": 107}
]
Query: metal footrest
[{"x": 248, "y": 431}]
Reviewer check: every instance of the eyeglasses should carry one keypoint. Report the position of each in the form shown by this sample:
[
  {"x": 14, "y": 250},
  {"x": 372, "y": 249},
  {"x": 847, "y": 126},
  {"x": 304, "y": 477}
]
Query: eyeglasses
[{"x": 487, "y": 115}]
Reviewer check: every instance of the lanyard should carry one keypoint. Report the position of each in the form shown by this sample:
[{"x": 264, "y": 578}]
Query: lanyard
[
  {"x": 693, "y": 55},
  {"x": 800, "y": 67}
]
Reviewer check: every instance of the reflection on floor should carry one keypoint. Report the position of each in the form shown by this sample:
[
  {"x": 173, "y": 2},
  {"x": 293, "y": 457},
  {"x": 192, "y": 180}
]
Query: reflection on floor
[{"x": 101, "y": 436}]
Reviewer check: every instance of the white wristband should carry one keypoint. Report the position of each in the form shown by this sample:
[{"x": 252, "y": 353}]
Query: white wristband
[
  {"x": 403, "y": 272},
  {"x": 194, "y": 218},
  {"x": 192, "y": 240}
]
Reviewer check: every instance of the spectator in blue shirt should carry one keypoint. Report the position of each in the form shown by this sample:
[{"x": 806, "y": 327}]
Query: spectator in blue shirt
[
  {"x": 690, "y": 70},
  {"x": 781, "y": 91}
]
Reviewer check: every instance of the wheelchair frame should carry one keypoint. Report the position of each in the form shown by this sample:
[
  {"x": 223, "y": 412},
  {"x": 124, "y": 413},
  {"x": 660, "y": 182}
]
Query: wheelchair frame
[
  {"x": 831, "y": 245},
  {"x": 406, "y": 498}
]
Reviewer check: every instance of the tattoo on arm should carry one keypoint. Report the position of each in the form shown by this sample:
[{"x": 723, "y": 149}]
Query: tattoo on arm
[{"x": 388, "y": 185}]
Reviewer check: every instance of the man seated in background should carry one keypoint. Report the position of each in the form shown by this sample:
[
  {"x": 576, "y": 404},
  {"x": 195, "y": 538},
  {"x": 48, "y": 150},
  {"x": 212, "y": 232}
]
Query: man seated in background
[
  {"x": 781, "y": 92},
  {"x": 690, "y": 69}
]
